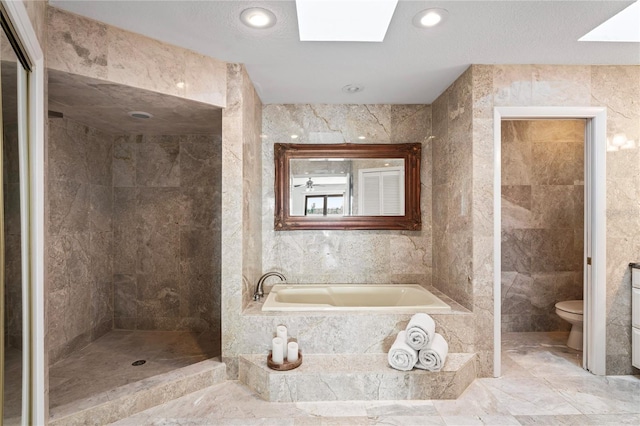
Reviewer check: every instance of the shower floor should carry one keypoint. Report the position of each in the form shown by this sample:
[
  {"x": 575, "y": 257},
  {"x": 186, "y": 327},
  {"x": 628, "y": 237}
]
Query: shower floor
[{"x": 105, "y": 364}]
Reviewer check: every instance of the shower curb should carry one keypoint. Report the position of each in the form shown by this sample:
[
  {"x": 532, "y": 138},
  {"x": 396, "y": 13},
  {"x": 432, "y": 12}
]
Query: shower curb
[
  {"x": 355, "y": 377},
  {"x": 127, "y": 400}
]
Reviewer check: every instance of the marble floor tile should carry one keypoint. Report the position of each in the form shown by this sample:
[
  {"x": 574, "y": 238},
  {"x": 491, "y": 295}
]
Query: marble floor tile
[
  {"x": 528, "y": 397},
  {"x": 480, "y": 420},
  {"x": 562, "y": 420},
  {"x": 409, "y": 421},
  {"x": 599, "y": 395},
  {"x": 541, "y": 385}
]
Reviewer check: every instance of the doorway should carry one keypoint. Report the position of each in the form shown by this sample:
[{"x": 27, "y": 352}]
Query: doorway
[{"x": 593, "y": 257}]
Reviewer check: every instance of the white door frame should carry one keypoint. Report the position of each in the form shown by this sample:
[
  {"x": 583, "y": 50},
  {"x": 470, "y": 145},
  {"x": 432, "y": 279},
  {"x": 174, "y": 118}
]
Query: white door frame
[
  {"x": 36, "y": 115},
  {"x": 595, "y": 166}
]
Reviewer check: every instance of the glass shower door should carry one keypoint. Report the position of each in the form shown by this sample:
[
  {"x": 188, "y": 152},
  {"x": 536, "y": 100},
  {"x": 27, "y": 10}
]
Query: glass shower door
[{"x": 14, "y": 335}]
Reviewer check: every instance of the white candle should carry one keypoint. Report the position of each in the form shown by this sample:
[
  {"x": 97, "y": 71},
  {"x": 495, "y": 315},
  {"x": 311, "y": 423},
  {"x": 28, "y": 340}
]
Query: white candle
[
  {"x": 292, "y": 354},
  {"x": 281, "y": 332},
  {"x": 277, "y": 350}
]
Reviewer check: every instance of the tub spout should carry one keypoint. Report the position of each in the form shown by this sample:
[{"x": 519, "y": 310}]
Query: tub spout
[{"x": 259, "y": 288}]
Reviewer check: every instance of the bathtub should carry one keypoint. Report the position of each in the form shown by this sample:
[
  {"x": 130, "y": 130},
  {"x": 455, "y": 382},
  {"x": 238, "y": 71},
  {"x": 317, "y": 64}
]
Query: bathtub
[{"x": 350, "y": 297}]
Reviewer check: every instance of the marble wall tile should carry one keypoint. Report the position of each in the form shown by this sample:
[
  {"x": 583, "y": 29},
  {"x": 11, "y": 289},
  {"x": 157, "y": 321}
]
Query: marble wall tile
[
  {"x": 205, "y": 78},
  {"x": 513, "y": 85},
  {"x": 81, "y": 46},
  {"x": 100, "y": 208},
  {"x": 561, "y": 85},
  {"x": 555, "y": 163},
  {"x": 157, "y": 66},
  {"x": 452, "y": 191},
  {"x": 124, "y": 161},
  {"x": 157, "y": 162},
  {"x": 125, "y": 230},
  {"x": 69, "y": 210},
  {"x": 542, "y": 221},
  {"x": 617, "y": 88},
  {"x": 199, "y": 161},
  {"x": 77, "y": 44},
  {"x": 354, "y": 256},
  {"x": 79, "y": 254},
  {"x": 125, "y": 296},
  {"x": 167, "y": 257},
  {"x": 67, "y": 152}
]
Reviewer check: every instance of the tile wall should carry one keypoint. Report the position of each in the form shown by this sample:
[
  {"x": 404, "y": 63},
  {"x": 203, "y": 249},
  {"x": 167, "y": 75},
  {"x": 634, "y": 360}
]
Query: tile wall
[
  {"x": 80, "y": 237},
  {"x": 542, "y": 221},
  {"x": 618, "y": 89},
  {"x": 167, "y": 232},
  {"x": 452, "y": 189},
  {"x": 347, "y": 256}
]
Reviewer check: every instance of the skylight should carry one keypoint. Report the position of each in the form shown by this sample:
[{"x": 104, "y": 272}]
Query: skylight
[
  {"x": 344, "y": 20},
  {"x": 623, "y": 27}
]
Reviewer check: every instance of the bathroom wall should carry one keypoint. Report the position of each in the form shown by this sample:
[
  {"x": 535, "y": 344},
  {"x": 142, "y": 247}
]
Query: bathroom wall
[
  {"x": 82, "y": 46},
  {"x": 347, "y": 256},
  {"x": 167, "y": 232},
  {"x": 452, "y": 187},
  {"x": 80, "y": 237},
  {"x": 542, "y": 221},
  {"x": 241, "y": 193},
  {"x": 618, "y": 89}
]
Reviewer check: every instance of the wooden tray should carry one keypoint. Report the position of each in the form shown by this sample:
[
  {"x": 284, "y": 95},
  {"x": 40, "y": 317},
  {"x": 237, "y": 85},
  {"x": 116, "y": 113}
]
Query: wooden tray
[{"x": 286, "y": 366}]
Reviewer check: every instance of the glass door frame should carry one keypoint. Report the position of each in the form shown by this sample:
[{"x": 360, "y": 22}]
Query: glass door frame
[{"x": 35, "y": 406}]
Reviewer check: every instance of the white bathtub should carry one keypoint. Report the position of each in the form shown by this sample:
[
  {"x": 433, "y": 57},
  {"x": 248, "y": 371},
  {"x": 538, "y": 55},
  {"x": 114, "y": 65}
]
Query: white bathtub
[{"x": 349, "y": 297}]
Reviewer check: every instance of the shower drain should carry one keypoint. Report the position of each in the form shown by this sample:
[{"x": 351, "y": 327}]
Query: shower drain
[{"x": 138, "y": 362}]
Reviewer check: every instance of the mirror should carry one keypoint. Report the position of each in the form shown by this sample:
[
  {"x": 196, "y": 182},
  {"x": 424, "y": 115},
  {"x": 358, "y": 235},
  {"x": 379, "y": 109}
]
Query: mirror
[{"x": 347, "y": 186}]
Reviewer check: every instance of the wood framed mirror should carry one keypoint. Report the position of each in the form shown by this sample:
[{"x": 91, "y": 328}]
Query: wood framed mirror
[{"x": 347, "y": 186}]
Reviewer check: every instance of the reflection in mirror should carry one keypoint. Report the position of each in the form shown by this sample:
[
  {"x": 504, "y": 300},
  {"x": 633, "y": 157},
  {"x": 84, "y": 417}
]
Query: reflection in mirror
[
  {"x": 11, "y": 282},
  {"x": 347, "y": 186}
]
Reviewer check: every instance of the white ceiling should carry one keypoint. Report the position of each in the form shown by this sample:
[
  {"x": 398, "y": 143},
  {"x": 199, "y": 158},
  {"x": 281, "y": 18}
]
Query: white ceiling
[{"x": 411, "y": 66}]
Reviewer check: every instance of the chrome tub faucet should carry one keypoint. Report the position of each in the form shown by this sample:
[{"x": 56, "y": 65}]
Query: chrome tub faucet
[{"x": 259, "y": 288}]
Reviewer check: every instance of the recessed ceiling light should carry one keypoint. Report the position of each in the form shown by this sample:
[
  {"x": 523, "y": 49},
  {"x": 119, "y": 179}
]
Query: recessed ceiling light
[
  {"x": 352, "y": 88},
  {"x": 257, "y": 17},
  {"x": 294, "y": 136},
  {"x": 140, "y": 114},
  {"x": 430, "y": 18}
]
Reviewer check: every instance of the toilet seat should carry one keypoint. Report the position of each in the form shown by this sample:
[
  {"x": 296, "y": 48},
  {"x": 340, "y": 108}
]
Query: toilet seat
[{"x": 571, "y": 306}]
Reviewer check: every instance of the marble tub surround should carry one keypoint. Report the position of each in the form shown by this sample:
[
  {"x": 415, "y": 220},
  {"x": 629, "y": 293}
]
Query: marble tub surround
[
  {"x": 355, "y": 377},
  {"x": 89, "y": 48},
  {"x": 542, "y": 221},
  {"x": 80, "y": 236},
  {"x": 167, "y": 232},
  {"x": 347, "y": 332}
]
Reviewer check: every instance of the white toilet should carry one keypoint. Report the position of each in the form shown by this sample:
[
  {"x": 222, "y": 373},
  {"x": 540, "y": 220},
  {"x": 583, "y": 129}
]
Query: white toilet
[{"x": 571, "y": 311}]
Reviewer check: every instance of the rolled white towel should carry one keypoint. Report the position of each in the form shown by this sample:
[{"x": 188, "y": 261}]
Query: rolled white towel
[
  {"x": 433, "y": 357},
  {"x": 401, "y": 356},
  {"x": 420, "y": 331}
]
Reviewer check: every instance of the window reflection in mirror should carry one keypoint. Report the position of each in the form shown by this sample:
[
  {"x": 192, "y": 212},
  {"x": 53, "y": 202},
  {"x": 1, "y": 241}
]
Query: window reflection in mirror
[{"x": 347, "y": 186}]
